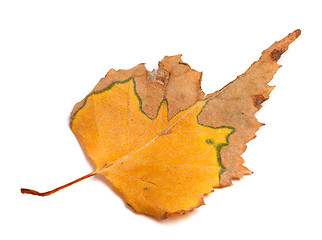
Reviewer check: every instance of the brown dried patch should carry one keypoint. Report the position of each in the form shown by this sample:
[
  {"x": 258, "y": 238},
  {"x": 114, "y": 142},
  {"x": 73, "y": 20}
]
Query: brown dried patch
[{"x": 235, "y": 106}]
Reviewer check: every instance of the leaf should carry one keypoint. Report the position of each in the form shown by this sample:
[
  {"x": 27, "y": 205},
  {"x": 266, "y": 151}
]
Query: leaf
[{"x": 160, "y": 141}]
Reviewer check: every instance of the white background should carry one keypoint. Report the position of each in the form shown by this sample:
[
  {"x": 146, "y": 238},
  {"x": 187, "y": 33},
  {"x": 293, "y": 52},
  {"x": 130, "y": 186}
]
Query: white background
[{"x": 52, "y": 53}]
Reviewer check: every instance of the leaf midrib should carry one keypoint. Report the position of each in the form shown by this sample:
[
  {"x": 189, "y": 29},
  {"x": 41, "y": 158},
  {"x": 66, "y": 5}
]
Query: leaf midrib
[{"x": 161, "y": 133}]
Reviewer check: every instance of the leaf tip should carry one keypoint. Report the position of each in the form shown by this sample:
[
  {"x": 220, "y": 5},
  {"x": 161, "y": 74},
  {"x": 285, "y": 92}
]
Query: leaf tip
[{"x": 297, "y": 33}]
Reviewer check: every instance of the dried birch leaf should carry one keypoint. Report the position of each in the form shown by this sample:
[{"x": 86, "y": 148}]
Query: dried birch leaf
[{"x": 160, "y": 141}]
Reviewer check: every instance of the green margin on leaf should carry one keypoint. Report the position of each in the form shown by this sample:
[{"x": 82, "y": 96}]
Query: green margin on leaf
[{"x": 217, "y": 146}]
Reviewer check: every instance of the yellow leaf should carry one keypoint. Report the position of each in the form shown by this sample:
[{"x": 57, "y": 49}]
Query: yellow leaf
[
  {"x": 160, "y": 166},
  {"x": 158, "y": 138}
]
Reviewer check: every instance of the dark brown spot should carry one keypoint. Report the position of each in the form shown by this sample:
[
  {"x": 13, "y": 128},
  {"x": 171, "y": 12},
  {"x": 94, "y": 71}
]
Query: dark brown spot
[
  {"x": 276, "y": 54},
  {"x": 165, "y": 216},
  {"x": 258, "y": 100}
]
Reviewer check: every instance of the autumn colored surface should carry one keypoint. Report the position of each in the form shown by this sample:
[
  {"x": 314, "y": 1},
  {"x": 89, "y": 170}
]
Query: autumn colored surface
[{"x": 163, "y": 143}]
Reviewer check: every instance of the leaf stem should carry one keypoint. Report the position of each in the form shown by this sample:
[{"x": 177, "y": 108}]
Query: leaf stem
[{"x": 33, "y": 192}]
